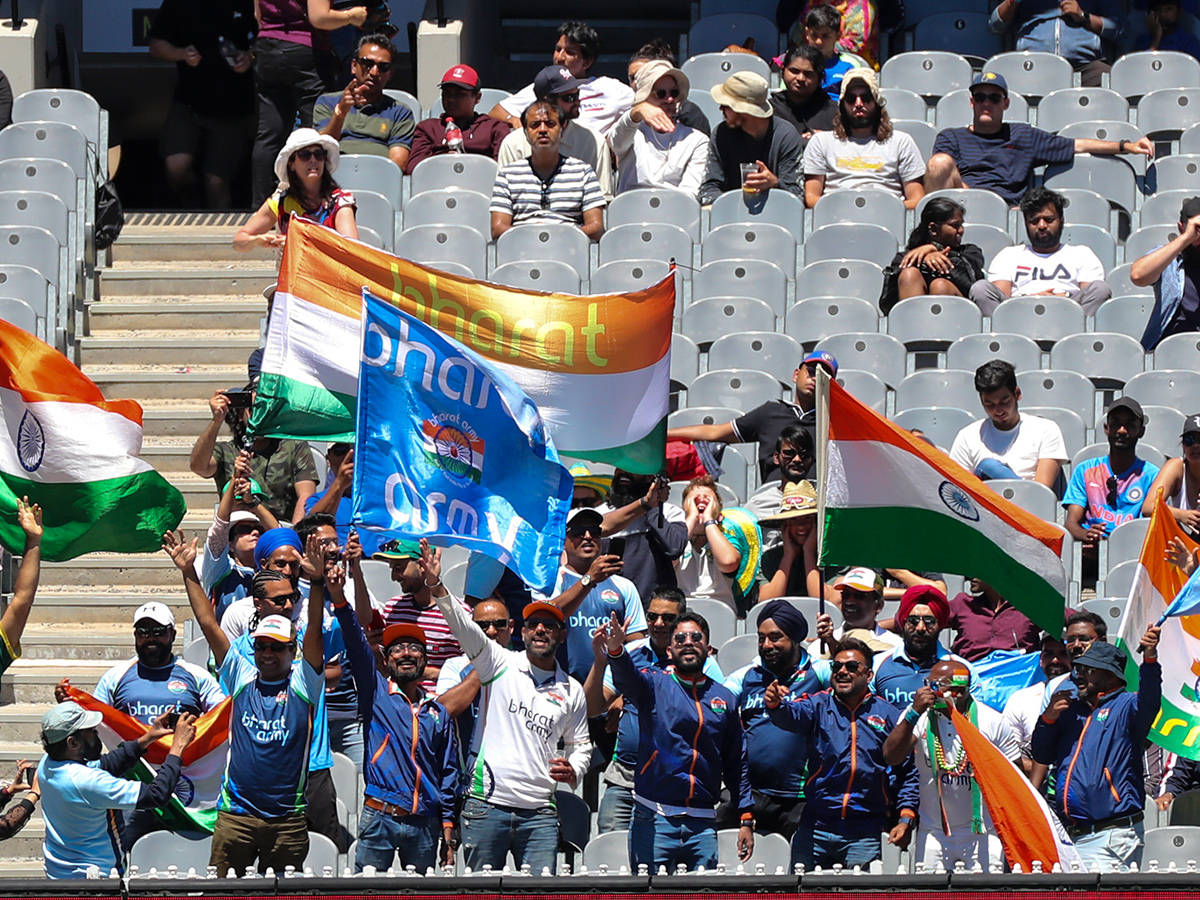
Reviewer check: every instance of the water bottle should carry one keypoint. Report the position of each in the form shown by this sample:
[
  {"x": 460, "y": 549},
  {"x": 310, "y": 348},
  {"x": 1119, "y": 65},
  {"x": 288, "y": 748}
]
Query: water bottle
[
  {"x": 454, "y": 138},
  {"x": 228, "y": 50}
]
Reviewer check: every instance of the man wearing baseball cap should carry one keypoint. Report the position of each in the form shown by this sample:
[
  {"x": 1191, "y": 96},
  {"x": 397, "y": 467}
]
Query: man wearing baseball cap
[
  {"x": 578, "y": 140},
  {"x": 1106, "y": 491},
  {"x": 749, "y": 135},
  {"x": 765, "y": 423},
  {"x": 527, "y": 705},
  {"x": 1173, "y": 270},
  {"x": 363, "y": 119},
  {"x": 411, "y": 767},
  {"x": 924, "y": 612},
  {"x": 481, "y": 133},
  {"x": 861, "y": 592},
  {"x": 993, "y": 155},
  {"x": 262, "y": 804},
  {"x": 1093, "y": 733},
  {"x": 863, "y": 150},
  {"x": 82, "y": 785},
  {"x": 156, "y": 681}
]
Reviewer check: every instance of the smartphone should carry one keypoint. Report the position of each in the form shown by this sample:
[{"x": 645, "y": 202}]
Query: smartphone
[
  {"x": 239, "y": 399},
  {"x": 616, "y": 547},
  {"x": 173, "y": 718}
]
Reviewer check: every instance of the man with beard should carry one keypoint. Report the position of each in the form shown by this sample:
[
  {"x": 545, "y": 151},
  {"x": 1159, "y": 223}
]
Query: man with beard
[
  {"x": 1174, "y": 271},
  {"x": 616, "y": 806},
  {"x": 861, "y": 602},
  {"x": 777, "y": 756},
  {"x": 153, "y": 683},
  {"x": 862, "y": 150},
  {"x": 803, "y": 103},
  {"x": 654, "y": 530},
  {"x": 1008, "y": 443},
  {"x": 852, "y": 794},
  {"x": 1044, "y": 266},
  {"x": 1094, "y": 736},
  {"x": 765, "y": 424},
  {"x": 82, "y": 787},
  {"x": 924, "y": 612},
  {"x": 412, "y": 768},
  {"x": 690, "y": 740},
  {"x": 1106, "y": 491},
  {"x": 955, "y": 824},
  {"x": 528, "y": 704},
  {"x": 1023, "y": 708},
  {"x": 276, "y": 550}
]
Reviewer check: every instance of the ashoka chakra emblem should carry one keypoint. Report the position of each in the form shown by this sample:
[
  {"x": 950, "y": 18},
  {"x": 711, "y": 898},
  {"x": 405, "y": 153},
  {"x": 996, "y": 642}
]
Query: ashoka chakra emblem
[
  {"x": 31, "y": 442},
  {"x": 958, "y": 501}
]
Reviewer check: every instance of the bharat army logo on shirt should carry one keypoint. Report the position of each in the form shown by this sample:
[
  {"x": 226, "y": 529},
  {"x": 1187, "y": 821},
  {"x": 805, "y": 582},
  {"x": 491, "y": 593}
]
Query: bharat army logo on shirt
[
  {"x": 175, "y": 686},
  {"x": 878, "y": 723},
  {"x": 718, "y": 704},
  {"x": 1102, "y": 716}
]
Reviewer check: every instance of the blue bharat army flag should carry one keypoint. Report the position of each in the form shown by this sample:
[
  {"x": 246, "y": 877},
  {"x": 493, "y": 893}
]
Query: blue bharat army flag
[{"x": 448, "y": 448}]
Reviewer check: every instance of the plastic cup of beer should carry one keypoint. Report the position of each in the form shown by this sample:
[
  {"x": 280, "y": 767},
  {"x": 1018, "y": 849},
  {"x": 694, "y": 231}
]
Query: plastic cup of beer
[{"x": 748, "y": 169}]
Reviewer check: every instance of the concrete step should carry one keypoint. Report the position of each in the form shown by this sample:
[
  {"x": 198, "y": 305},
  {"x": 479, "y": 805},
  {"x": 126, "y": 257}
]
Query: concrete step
[
  {"x": 103, "y": 572},
  {"x": 107, "y": 606},
  {"x": 200, "y": 495},
  {"x": 180, "y": 382},
  {"x": 147, "y": 280},
  {"x": 183, "y": 419},
  {"x": 134, "y": 349},
  {"x": 22, "y": 722},
  {"x": 180, "y": 313},
  {"x": 169, "y": 245},
  {"x": 22, "y": 867},
  {"x": 26, "y": 846},
  {"x": 170, "y": 455},
  {"x": 33, "y": 681},
  {"x": 69, "y": 640}
]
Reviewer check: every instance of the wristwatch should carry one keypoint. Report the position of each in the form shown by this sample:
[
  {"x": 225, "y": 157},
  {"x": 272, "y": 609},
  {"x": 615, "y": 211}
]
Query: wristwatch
[{"x": 586, "y": 581}]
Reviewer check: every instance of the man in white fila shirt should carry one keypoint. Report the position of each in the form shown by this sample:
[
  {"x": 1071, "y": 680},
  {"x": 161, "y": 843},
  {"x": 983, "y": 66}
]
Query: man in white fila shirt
[{"x": 527, "y": 705}]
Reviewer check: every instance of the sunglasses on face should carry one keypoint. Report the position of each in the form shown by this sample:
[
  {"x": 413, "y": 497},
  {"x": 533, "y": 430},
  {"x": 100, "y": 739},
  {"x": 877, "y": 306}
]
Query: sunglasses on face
[
  {"x": 667, "y": 618},
  {"x": 981, "y": 97},
  {"x": 151, "y": 631},
  {"x": 853, "y": 666},
  {"x": 927, "y": 621},
  {"x": 578, "y": 531},
  {"x": 572, "y": 97},
  {"x": 286, "y": 599},
  {"x": 548, "y": 624},
  {"x": 664, "y": 93},
  {"x": 369, "y": 64},
  {"x": 688, "y": 637},
  {"x": 498, "y": 624},
  {"x": 1190, "y": 439},
  {"x": 267, "y": 646},
  {"x": 314, "y": 153}
]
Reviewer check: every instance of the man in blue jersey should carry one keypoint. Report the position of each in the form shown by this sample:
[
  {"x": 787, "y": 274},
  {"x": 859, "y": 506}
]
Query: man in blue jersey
[
  {"x": 412, "y": 769},
  {"x": 924, "y": 612},
  {"x": 16, "y": 614},
  {"x": 153, "y": 682},
  {"x": 690, "y": 741},
  {"x": 777, "y": 756},
  {"x": 261, "y": 810},
  {"x": 82, "y": 788}
]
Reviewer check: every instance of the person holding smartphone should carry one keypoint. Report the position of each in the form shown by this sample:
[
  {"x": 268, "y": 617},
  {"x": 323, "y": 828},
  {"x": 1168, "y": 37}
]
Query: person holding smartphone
[{"x": 655, "y": 531}]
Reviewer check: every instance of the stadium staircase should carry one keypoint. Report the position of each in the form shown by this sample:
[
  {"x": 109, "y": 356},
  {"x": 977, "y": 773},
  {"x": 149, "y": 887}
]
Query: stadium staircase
[{"x": 179, "y": 314}]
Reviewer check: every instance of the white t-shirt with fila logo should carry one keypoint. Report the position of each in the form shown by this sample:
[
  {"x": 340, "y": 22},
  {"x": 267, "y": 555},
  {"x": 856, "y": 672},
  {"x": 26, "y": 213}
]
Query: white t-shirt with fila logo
[{"x": 1030, "y": 272}]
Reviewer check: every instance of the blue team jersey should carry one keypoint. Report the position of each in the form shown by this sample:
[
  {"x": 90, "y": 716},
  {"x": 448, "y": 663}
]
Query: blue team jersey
[
  {"x": 146, "y": 693},
  {"x": 1089, "y": 488},
  {"x": 613, "y": 594},
  {"x": 269, "y": 734},
  {"x": 80, "y": 804},
  {"x": 897, "y": 678}
]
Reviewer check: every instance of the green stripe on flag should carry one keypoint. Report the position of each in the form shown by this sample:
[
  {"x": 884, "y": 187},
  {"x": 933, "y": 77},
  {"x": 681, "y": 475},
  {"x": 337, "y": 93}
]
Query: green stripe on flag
[
  {"x": 116, "y": 515},
  {"x": 891, "y": 537},
  {"x": 642, "y": 457},
  {"x": 286, "y": 408},
  {"x": 175, "y": 815}
]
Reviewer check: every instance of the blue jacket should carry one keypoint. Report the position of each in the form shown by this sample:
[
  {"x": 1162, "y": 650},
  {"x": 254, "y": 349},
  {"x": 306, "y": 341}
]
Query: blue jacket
[
  {"x": 690, "y": 739},
  {"x": 1040, "y": 26},
  {"x": 1168, "y": 294},
  {"x": 777, "y": 756},
  {"x": 1097, "y": 753},
  {"x": 410, "y": 757},
  {"x": 850, "y": 789}
]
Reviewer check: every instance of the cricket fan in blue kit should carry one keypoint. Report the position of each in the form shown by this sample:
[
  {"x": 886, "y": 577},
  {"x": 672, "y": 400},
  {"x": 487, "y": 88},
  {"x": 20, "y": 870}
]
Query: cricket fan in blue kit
[
  {"x": 852, "y": 795},
  {"x": 691, "y": 740}
]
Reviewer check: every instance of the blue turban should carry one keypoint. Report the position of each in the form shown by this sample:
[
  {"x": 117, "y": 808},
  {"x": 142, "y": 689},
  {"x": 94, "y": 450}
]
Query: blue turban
[
  {"x": 789, "y": 619},
  {"x": 271, "y": 540}
]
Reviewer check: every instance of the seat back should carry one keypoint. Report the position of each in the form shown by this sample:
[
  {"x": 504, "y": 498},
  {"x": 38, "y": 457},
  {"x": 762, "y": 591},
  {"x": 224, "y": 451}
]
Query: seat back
[
  {"x": 1045, "y": 319},
  {"x": 773, "y": 207},
  {"x": 1104, "y": 357},
  {"x": 960, "y": 32},
  {"x": 623, "y": 275},
  {"x": 969, "y": 350},
  {"x": 1164, "y": 424},
  {"x": 1151, "y": 237},
  {"x": 1108, "y": 176},
  {"x": 546, "y": 240},
  {"x": 1031, "y": 74},
  {"x": 881, "y": 354},
  {"x": 1162, "y": 208},
  {"x": 550, "y": 275},
  {"x": 1163, "y": 387},
  {"x": 954, "y": 109},
  {"x": 431, "y": 244},
  {"x": 940, "y": 424},
  {"x": 376, "y": 212},
  {"x": 735, "y": 388},
  {"x": 1065, "y": 106},
  {"x": 1098, "y": 239},
  {"x": 1055, "y": 387},
  {"x": 1179, "y": 351},
  {"x": 931, "y": 321},
  {"x": 982, "y": 207},
  {"x": 874, "y": 206},
  {"x": 18, "y": 312},
  {"x": 766, "y": 351},
  {"x": 846, "y": 240},
  {"x": 841, "y": 278},
  {"x": 658, "y": 205},
  {"x": 1125, "y": 315},
  {"x": 722, "y": 621},
  {"x": 1118, "y": 279},
  {"x": 706, "y": 70},
  {"x": 413, "y": 104},
  {"x": 1109, "y": 130},
  {"x": 452, "y": 206},
  {"x": 1168, "y": 110},
  {"x": 322, "y": 855},
  {"x": 904, "y": 104},
  {"x": 366, "y": 172},
  {"x": 1069, "y": 422},
  {"x": 865, "y": 387},
  {"x": 467, "y": 171},
  {"x": 713, "y": 34},
  {"x": 1028, "y": 495},
  {"x": 1135, "y": 74},
  {"x": 930, "y": 73},
  {"x": 759, "y": 278},
  {"x": 654, "y": 240},
  {"x": 817, "y": 318},
  {"x": 988, "y": 238},
  {"x": 737, "y": 653},
  {"x": 711, "y": 319},
  {"x": 751, "y": 241},
  {"x": 685, "y": 361},
  {"x": 47, "y": 140},
  {"x": 923, "y": 133},
  {"x": 1178, "y": 172},
  {"x": 939, "y": 387},
  {"x": 160, "y": 849},
  {"x": 609, "y": 850}
]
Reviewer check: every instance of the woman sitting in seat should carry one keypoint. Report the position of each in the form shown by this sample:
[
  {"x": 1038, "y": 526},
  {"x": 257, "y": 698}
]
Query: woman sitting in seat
[
  {"x": 935, "y": 260},
  {"x": 1180, "y": 480},
  {"x": 305, "y": 168}
]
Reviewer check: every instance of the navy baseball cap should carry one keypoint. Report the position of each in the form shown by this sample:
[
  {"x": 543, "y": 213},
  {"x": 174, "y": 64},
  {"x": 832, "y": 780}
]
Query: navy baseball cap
[
  {"x": 554, "y": 80},
  {"x": 994, "y": 79},
  {"x": 827, "y": 359}
]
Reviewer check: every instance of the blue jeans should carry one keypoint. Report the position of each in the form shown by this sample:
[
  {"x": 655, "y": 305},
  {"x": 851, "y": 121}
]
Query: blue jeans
[
  {"x": 1120, "y": 845},
  {"x": 490, "y": 832},
  {"x": 346, "y": 736},
  {"x": 658, "y": 840},
  {"x": 813, "y": 847},
  {"x": 381, "y": 836},
  {"x": 616, "y": 809},
  {"x": 992, "y": 469}
]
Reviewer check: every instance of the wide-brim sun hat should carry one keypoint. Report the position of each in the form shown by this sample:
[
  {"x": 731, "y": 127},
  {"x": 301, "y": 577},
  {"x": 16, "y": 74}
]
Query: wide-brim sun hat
[
  {"x": 298, "y": 140},
  {"x": 746, "y": 93},
  {"x": 649, "y": 74}
]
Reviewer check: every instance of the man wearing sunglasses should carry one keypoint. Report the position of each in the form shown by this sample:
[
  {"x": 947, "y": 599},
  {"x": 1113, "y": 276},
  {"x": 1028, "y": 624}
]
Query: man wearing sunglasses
[
  {"x": 362, "y": 118},
  {"x": 528, "y": 704},
  {"x": 993, "y": 155},
  {"x": 690, "y": 741},
  {"x": 852, "y": 795},
  {"x": 923, "y": 614},
  {"x": 156, "y": 681},
  {"x": 262, "y": 804},
  {"x": 1106, "y": 491}
]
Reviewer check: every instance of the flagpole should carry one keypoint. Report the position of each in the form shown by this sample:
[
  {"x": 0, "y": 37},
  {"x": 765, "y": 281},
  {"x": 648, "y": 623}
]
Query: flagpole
[{"x": 822, "y": 449}]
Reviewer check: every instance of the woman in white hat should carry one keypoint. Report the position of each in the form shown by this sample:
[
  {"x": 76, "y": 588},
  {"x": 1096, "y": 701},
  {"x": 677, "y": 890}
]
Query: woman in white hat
[{"x": 305, "y": 168}]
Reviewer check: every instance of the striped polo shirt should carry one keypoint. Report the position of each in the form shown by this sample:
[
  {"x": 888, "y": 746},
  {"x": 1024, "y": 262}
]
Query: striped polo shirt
[{"x": 571, "y": 190}]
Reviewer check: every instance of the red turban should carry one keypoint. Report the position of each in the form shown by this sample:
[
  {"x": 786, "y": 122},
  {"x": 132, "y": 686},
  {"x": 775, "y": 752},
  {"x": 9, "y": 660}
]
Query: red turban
[{"x": 927, "y": 595}]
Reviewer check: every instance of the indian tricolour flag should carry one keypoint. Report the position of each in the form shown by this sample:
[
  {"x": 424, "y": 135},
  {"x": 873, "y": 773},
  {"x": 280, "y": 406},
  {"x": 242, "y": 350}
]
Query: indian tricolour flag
[
  {"x": 890, "y": 500},
  {"x": 76, "y": 454},
  {"x": 598, "y": 368},
  {"x": 1155, "y": 584}
]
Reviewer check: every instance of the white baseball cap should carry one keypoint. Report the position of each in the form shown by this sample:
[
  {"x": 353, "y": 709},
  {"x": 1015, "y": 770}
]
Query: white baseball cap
[{"x": 155, "y": 612}]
